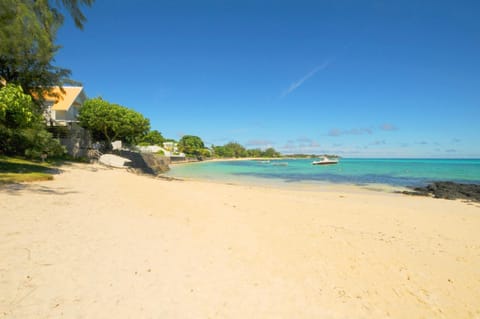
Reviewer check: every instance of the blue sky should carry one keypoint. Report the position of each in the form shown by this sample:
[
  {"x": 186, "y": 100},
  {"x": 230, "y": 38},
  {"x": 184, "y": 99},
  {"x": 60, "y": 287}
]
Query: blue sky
[{"x": 355, "y": 78}]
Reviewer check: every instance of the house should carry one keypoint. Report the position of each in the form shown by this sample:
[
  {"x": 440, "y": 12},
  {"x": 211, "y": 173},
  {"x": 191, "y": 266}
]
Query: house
[
  {"x": 170, "y": 150},
  {"x": 61, "y": 113},
  {"x": 64, "y": 107},
  {"x": 171, "y": 146}
]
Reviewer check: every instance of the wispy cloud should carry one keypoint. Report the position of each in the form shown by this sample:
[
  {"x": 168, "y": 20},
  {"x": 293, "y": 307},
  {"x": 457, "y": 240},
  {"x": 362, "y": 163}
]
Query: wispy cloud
[
  {"x": 353, "y": 131},
  {"x": 301, "y": 145},
  {"x": 388, "y": 127},
  {"x": 295, "y": 85},
  {"x": 378, "y": 142},
  {"x": 335, "y": 132},
  {"x": 361, "y": 130},
  {"x": 304, "y": 139}
]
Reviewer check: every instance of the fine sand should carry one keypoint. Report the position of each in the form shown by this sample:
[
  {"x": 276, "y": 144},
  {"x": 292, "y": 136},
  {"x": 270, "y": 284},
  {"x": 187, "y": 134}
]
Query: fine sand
[{"x": 101, "y": 243}]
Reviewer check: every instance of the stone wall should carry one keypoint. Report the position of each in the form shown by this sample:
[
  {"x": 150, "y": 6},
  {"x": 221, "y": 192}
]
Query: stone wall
[{"x": 77, "y": 141}]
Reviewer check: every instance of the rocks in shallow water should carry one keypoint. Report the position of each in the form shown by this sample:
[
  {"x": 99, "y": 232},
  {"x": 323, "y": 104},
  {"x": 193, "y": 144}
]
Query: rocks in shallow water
[{"x": 448, "y": 190}]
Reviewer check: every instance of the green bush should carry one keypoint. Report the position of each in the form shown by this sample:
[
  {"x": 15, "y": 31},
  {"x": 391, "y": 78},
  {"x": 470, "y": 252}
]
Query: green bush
[{"x": 22, "y": 130}]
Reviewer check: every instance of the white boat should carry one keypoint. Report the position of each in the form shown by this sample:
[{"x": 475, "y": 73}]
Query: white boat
[{"x": 325, "y": 161}]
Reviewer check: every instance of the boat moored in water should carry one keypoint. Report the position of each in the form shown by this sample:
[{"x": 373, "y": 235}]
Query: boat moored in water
[{"x": 325, "y": 161}]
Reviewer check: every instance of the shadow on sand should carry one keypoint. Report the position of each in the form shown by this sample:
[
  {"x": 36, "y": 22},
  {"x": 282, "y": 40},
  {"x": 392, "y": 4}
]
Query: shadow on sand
[{"x": 22, "y": 188}]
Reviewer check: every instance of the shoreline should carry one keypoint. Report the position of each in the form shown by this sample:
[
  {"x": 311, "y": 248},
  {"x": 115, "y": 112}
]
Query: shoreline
[
  {"x": 98, "y": 242},
  {"x": 297, "y": 186},
  {"x": 231, "y": 159},
  {"x": 451, "y": 189}
]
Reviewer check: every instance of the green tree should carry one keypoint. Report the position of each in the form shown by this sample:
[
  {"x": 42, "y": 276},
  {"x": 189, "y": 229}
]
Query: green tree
[
  {"x": 255, "y": 152},
  {"x": 223, "y": 152},
  {"x": 110, "y": 122},
  {"x": 237, "y": 149},
  {"x": 153, "y": 138},
  {"x": 16, "y": 108},
  {"x": 22, "y": 130},
  {"x": 27, "y": 42},
  {"x": 270, "y": 152},
  {"x": 204, "y": 153},
  {"x": 191, "y": 145}
]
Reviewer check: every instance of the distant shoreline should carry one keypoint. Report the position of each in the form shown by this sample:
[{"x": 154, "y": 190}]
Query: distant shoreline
[{"x": 230, "y": 159}]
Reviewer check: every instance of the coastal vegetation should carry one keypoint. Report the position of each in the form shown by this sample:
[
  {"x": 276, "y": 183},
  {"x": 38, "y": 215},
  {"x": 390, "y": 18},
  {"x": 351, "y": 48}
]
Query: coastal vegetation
[
  {"x": 153, "y": 137},
  {"x": 22, "y": 128},
  {"x": 109, "y": 122},
  {"x": 28, "y": 31},
  {"x": 193, "y": 146},
  {"x": 27, "y": 72},
  {"x": 236, "y": 150}
]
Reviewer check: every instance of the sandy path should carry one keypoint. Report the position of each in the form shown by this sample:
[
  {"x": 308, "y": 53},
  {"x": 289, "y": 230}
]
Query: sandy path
[{"x": 98, "y": 243}]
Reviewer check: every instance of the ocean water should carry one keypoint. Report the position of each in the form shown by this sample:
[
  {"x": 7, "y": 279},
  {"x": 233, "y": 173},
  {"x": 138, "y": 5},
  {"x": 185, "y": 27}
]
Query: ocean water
[{"x": 392, "y": 172}]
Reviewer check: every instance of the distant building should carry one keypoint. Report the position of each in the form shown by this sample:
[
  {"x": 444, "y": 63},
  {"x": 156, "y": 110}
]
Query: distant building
[
  {"x": 63, "y": 108},
  {"x": 171, "y": 146},
  {"x": 169, "y": 149}
]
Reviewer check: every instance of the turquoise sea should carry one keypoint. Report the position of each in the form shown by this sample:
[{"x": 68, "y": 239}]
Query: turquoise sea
[{"x": 392, "y": 172}]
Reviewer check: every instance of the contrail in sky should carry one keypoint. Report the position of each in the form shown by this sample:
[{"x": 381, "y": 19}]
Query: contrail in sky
[{"x": 297, "y": 84}]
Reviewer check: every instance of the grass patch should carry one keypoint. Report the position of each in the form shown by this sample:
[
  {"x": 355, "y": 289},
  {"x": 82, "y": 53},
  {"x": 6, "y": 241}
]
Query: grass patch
[{"x": 18, "y": 170}]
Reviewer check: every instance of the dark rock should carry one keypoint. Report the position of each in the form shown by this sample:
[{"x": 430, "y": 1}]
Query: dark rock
[
  {"x": 159, "y": 164},
  {"x": 448, "y": 190},
  {"x": 138, "y": 163}
]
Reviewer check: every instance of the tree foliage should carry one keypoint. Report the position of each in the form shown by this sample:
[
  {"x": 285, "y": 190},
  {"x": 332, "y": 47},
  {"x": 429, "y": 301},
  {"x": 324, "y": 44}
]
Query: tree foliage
[
  {"x": 16, "y": 108},
  {"x": 231, "y": 149},
  {"x": 28, "y": 29},
  {"x": 27, "y": 42},
  {"x": 223, "y": 152},
  {"x": 234, "y": 149},
  {"x": 191, "y": 145},
  {"x": 153, "y": 138},
  {"x": 254, "y": 152},
  {"x": 110, "y": 122},
  {"x": 270, "y": 152},
  {"x": 73, "y": 7},
  {"x": 22, "y": 130}
]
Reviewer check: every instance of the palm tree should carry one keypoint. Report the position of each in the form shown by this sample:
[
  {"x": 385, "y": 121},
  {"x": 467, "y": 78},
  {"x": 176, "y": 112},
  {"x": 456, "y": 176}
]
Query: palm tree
[{"x": 74, "y": 8}]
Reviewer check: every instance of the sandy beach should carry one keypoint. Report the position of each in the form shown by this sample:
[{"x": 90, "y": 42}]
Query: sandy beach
[{"x": 103, "y": 243}]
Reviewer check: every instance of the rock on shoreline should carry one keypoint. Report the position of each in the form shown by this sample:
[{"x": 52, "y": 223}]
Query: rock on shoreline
[{"x": 448, "y": 190}]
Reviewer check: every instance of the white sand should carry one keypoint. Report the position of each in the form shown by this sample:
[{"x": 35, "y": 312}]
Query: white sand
[{"x": 99, "y": 243}]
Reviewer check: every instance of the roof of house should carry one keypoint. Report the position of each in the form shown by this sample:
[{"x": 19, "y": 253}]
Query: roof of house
[{"x": 64, "y": 100}]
